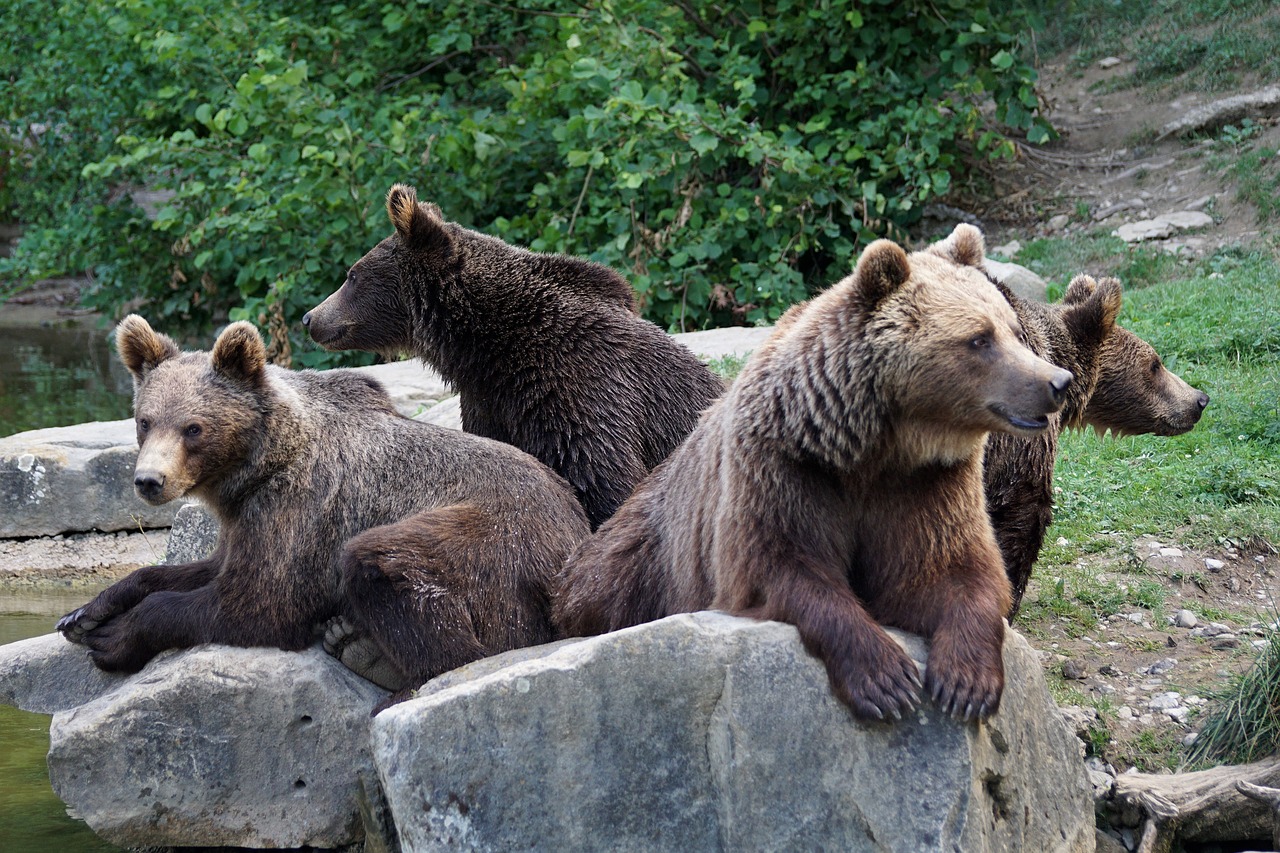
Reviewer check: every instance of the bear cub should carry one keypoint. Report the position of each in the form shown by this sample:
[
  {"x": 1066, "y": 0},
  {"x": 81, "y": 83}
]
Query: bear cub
[
  {"x": 432, "y": 547},
  {"x": 837, "y": 486},
  {"x": 546, "y": 351}
]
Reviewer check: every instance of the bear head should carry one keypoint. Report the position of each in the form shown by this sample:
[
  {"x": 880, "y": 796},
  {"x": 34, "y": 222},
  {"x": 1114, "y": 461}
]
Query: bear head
[
  {"x": 198, "y": 415},
  {"x": 374, "y": 308},
  {"x": 1135, "y": 393},
  {"x": 956, "y": 363}
]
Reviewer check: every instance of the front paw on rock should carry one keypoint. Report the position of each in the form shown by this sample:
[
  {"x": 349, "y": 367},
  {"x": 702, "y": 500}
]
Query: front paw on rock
[{"x": 75, "y": 625}]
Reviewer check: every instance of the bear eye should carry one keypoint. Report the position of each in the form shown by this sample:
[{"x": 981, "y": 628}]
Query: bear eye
[
  {"x": 1155, "y": 366},
  {"x": 981, "y": 342},
  {"x": 192, "y": 431},
  {"x": 144, "y": 424}
]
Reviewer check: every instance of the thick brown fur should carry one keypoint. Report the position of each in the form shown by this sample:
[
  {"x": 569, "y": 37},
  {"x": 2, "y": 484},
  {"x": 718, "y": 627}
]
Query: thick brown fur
[
  {"x": 327, "y": 498},
  {"x": 546, "y": 351},
  {"x": 838, "y": 486},
  {"x": 1120, "y": 384}
]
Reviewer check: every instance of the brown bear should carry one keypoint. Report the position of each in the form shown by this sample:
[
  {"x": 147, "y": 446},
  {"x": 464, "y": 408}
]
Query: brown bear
[
  {"x": 438, "y": 546},
  {"x": 837, "y": 486},
  {"x": 1120, "y": 384},
  {"x": 545, "y": 351}
]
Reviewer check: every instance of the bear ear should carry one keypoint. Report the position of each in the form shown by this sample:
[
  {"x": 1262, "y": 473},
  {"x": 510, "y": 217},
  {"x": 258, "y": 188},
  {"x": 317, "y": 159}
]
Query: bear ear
[
  {"x": 881, "y": 270},
  {"x": 1079, "y": 290},
  {"x": 1091, "y": 313},
  {"x": 420, "y": 226},
  {"x": 239, "y": 354},
  {"x": 141, "y": 348},
  {"x": 965, "y": 246}
]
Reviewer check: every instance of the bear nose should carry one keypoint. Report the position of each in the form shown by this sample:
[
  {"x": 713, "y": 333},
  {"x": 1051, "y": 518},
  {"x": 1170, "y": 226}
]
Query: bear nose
[
  {"x": 1059, "y": 382},
  {"x": 306, "y": 319},
  {"x": 149, "y": 485}
]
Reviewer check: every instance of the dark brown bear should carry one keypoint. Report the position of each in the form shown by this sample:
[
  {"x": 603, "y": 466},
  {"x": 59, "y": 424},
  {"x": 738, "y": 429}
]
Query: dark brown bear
[
  {"x": 838, "y": 486},
  {"x": 449, "y": 542},
  {"x": 1120, "y": 384},
  {"x": 545, "y": 351}
]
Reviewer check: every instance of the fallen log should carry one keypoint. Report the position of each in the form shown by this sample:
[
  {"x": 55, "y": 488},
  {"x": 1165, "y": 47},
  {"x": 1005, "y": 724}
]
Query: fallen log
[
  {"x": 1206, "y": 805},
  {"x": 1218, "y": 113}
]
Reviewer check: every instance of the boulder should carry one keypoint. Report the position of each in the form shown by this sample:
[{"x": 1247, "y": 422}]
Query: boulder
[
  {"x": 214, "y": 746},
  {"x": 414, "y": 387},
  {"x": 708, "y": 732},
  {"x": 1023, "y": 282},
  {"x": 193, "y": 536},
  {"x": 74, "y": 478},
  {"x": 1162, "y": 226}
]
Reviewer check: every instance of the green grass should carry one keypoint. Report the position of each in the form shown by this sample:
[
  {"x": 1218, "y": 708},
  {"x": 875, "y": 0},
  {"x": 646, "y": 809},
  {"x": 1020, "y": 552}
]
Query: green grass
[
  {"x": 1218, "y": 327},
  {"x": 1208, "y": 45},
  {"x": 1243, "y": 721},
  {"x": 1058, "y": 261}
]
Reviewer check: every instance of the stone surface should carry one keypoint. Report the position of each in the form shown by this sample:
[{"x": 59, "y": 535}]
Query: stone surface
[
  {"x": 1023, "y": 282},
  {"x": 446, "y": 413},
  {"x": 193, "y": 536},
  {"x": 1162, "y": 226},
  {"x": 414, "y": 387},
  {"x": 73, "y": 478},
  {"x": 706, "y": 732},
  {"x": 214, "y": 746}
]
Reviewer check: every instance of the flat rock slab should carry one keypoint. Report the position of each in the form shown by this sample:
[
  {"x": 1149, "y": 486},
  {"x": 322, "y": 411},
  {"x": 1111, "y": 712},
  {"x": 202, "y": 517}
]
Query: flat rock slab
[
  {"x": 210, "y": 747},
  {"x": 1163, "y": 226},
  {"x": 76, "y": 478},
  {"x": 706, "y": 732}
]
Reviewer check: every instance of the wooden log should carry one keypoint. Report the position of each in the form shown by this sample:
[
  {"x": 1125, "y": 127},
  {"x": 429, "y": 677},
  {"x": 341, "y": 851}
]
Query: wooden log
[{"x": 1207, "y": 805}]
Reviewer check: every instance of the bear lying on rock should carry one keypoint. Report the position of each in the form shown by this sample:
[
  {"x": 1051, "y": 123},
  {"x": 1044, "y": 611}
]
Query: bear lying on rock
[
  {"x": 546, "y": 351},
  {"x": 837, "y": 486},
  {"x": 434, "y": 547}
]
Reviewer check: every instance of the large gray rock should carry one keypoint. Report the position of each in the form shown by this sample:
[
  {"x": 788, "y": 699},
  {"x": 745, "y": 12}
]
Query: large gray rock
[
  {"x": 706, "y": 732},
  {"x": 1024, "y": 283},
  {"x": 215, "y": 746},
  {"x": 193, "y": 536},
  {"x": 73, "y": 478}
]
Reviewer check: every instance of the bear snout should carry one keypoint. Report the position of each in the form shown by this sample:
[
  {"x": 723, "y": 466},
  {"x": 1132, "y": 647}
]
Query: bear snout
[
  {"x": 1059, "y": 382},
  {"x": 150, "y": 484}
]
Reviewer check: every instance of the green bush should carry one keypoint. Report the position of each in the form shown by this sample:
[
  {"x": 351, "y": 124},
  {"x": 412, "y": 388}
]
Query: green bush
[{"x": 729, "y": 158}]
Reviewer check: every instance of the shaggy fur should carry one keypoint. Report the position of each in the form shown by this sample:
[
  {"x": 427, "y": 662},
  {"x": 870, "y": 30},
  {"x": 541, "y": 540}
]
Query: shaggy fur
[
  {"x": 1120, "y": 384},
  {"x": 546, "y": 351},
  {"x": 466, "y": 535},
  {"x": 838, "y": 486}
]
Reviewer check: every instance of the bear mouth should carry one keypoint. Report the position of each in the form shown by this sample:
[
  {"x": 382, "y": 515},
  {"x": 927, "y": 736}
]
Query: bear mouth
[{"x": 1022, "y": 423}]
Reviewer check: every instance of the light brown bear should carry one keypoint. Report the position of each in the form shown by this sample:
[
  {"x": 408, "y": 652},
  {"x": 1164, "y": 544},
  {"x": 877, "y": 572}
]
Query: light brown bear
[
  {"x": 437, "y": 546},
  {"x": 837, "y": 486}
]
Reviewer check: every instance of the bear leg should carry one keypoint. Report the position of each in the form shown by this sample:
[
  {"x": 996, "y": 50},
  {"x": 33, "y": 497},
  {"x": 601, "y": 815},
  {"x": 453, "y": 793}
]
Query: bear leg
[
  {"x": 127, "y": 593},
  {"x": 868, "y": 671},
  {"x": 411, "y": 588},
  {"x": 361, "y": 654}
]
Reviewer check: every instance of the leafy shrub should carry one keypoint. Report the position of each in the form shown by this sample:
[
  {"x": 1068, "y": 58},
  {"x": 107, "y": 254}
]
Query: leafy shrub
[{"x": 731, "y": 158}]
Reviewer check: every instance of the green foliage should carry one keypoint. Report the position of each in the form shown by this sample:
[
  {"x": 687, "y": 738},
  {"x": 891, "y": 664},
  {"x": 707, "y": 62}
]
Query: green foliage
[{"x": 730, "y": 158}]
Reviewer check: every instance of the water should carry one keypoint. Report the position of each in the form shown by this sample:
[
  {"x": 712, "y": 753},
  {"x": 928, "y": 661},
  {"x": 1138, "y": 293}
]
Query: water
[
  {"x": 53, "y": 372},
  {"x": 57, "y": 371},
  {"x": 32, "y": 818}
]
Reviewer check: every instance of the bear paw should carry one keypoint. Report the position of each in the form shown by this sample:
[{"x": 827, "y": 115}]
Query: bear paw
[
  {"x": 116, "y": 647},
  {"x": 878, "y": 683},
  {"x": 77, "y": 623},
  {"x": 963, "y": 693},
  {"x": 359, "y": 653}
]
